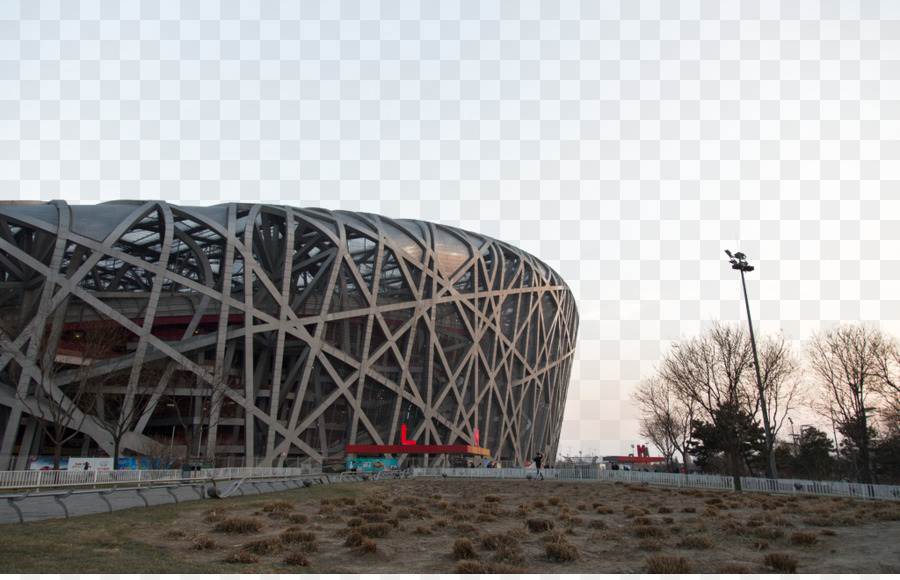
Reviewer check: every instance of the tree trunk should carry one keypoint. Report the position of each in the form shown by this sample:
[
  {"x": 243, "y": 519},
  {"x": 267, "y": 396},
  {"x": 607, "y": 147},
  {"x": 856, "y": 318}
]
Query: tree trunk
[{"x": 736, "y": 469}]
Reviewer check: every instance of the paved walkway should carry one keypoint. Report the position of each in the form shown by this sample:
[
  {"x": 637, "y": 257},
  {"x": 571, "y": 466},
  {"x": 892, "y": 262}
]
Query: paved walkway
[{"x": 48, "y": 505}]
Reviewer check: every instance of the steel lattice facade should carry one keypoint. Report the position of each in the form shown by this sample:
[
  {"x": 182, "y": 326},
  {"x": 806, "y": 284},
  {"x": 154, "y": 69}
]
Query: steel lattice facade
[{"x": 316, "y": 328}]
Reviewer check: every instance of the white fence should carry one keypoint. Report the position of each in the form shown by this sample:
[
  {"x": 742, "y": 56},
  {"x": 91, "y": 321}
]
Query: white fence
[
  {"x": 61, "y": 478},
  {"x": 787, "y": 486}
]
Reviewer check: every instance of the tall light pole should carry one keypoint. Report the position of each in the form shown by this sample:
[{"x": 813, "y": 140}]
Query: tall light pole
[{"x": 739, "y": 262}]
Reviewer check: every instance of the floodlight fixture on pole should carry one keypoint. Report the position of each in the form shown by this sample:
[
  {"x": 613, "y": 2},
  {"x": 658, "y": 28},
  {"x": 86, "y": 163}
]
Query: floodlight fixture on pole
[{"x": 739, "y": 262}]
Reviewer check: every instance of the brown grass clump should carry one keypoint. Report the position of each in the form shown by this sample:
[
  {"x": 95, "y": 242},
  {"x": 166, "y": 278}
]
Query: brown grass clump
[
  {"x": 240, "y": 525},
  {"x": 381, "y": 530},
  {"x": 642, "y": 521},
  {"x": 761, "y": 545},
  {"x": 306, "y": 540},
  {"x": 689, "y": 509},
  {"x": 781, "y": 562},
  {"x": 667, "y": 564},
  {"x": 203, "y": 542},
  {"x": 602, "y": 509},
  {"x": 561, "y": 551},
  {"x": 280, "y": 505},
  {"x": 711, "y": 511},
  {"x": 463, "y": 550},
  {"x": 264, "y": 547},
  {"x": 368, "y": 546},
  {"x": 298, "y": 518},
  {"x": 355, "y": 522},
  {"x": 492, "y": 498},
  {"x": 539, "y": 505},
  {"x": 241, "y": 557},
  {"x": 354, "y": 540},
  {"x": 495, "y": 540},
  {"x": 175, "y": 534},
  {"x": 827, "y": 532},
  {"x": 539, "y": 524},
  {"x": 649, "y": 531},
  {"x": 509, "y": 554},
  {"x": 504, "y": 568},
  {"x": 598, "y": 524},
  {"x": 469, "y": 567},
  {"x": 768, "y": 532},
  {"x": 732, "y": 568},
  {"x": 696, "y": 542},
  {"x": 804, "y": 538},
  {"x": 524, "y": 510},
  {"x": 296, "y": 559},
  {"x": 714, "y": 501},
  {"x": 424, "y": 530},
  {"x": 215, "y": 515},
  {"x": 649, "y": 545},
  {"x": 553, "y": 500},
  {"x": 664, "y": 509},
  {"x": 468, "y": 530}
]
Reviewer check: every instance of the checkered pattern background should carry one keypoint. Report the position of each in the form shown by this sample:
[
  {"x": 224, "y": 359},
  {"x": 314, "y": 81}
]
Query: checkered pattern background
[{"x": 627, "y": 144}]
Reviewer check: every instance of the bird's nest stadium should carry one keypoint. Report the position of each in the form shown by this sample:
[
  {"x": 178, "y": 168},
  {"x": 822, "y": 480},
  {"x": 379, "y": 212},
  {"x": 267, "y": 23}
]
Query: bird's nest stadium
[{"x": 252, "y": 333}]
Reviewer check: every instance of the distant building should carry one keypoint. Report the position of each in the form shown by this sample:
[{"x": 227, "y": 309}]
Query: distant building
[{"x": 277, "y": 334}]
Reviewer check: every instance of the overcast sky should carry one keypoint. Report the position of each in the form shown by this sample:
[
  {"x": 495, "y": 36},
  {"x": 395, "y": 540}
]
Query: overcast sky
[{"x": 626, "y": 144}]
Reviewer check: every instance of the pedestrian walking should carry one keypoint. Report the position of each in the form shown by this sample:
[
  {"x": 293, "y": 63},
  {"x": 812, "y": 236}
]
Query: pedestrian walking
[{"x": 538, "y": 458}]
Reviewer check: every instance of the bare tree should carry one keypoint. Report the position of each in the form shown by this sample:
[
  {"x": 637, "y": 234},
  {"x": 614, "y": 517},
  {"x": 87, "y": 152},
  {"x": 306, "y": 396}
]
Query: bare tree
[
  {"x": 197, "y": 398},
  {"x": 666, "y": 416},
  {"x": 888, "y": 371},
  {"x": 57, "y": 385},
  {"x": 709, "y": 371},
  {"x": 125, "y": 397},
  {"x": 845, "y": 360},
  {"x": 780, "y": 372}
]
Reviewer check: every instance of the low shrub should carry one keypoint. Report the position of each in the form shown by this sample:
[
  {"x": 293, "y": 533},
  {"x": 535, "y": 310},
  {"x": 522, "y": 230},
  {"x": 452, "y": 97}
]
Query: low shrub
[
  {"x": 296, "y": 559},
  {"x": 689, "y": 509},
  {"x": 539, "y": 524},
  {"x": 354, "y": 540},
  {"x": 469, "y": 567},
  {"x": 298, "y": 518},
  {"x": 561, "y": 551},
  {"x": 649, "y": 532},
  {"x": 463, "y": 550},
  {"x": 827, "y": 532},
  {"x": 492, "y": 498},
  {"x": 382, "y": 530},
  {"x": 768, "y": 532},
  {"x": 203, "y": 542},
  {"x": 492, "y": 541},
  {"x": 510, "y": 554},
  {"x": 240, "y": 525},
  {"x": 553, "y": 500},
  {"x": 664, "y": 509},
  {"x": 667, "y": 564},
  {"x": 241, "y": 557},
  {"x": 804, "y": 538},
  {"x": 598, "y": 524},
  {"x": 642, "y": 521},
  {"x": 368, "y": 546},
  {"x": 175, "y": 534},
  {"x": 649, "y": 545},
  {"x": 761, "y": 545},
  {"x": 781, "y": 562},
  {"x": 732, "y": 568},
  {"x": 504, "y": 568},
  {"x": 696, "y": 542},
  {"x": 280, "y": 505},
  {"x": 424, "y": 530},
  {"x": 264, "y": 547}
]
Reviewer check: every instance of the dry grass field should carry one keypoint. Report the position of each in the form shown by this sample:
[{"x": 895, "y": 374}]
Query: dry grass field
[{"x": 430, "y": 526}]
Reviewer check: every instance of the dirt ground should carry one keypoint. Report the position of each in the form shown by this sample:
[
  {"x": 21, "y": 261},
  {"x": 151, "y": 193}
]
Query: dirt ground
[{"x": 428, "y": 526}]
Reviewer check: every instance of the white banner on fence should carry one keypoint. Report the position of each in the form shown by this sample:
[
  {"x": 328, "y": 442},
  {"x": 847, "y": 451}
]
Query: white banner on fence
[{"x": 90, "y": 464}]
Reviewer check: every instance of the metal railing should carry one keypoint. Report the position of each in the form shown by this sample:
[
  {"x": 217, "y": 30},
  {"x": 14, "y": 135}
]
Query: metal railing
[
  {"x": 47, "y": 479},
  {"x": 719, "y": 482}
]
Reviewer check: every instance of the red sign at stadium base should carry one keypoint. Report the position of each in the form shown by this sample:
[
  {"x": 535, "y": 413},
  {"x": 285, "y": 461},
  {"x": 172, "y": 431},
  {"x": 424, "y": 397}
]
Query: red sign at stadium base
[{"x": 417, "y": 449}]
